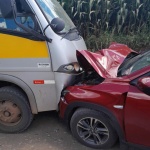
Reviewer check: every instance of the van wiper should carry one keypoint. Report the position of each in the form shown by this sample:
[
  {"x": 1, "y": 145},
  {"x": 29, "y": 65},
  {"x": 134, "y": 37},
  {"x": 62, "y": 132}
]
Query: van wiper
[{"x": 69, "y": 31}]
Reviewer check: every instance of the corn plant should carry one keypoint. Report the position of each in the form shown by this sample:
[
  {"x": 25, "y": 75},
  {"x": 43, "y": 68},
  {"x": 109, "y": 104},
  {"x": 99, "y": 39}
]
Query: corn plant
[{"x": 119, "y": 16}]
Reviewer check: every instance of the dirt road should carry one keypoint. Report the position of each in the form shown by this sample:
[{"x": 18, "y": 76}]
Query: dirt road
[{"x": 47, "y": 132}]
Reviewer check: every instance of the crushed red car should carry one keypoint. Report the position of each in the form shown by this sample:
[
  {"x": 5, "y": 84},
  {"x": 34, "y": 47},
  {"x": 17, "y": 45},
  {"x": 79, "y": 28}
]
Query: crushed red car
[{"x": 112, "y": 99}]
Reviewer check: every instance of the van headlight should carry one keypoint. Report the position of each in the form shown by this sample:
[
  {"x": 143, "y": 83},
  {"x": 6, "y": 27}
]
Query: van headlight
[{"x": 70, "y": 68}]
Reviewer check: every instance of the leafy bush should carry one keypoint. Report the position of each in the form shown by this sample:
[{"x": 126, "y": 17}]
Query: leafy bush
[{"x": 138, "y": 40}]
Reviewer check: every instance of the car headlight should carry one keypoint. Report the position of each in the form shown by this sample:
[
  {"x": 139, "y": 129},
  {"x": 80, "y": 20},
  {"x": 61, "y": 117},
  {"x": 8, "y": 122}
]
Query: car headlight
[
  {"x": 64, "y": 92},
  {"x": 70, "y": 68}
]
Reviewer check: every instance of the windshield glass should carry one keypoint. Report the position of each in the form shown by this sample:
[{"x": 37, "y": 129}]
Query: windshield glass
[
  {"x": 52, "y": 9},
  {"x": 136, "y": 63}
]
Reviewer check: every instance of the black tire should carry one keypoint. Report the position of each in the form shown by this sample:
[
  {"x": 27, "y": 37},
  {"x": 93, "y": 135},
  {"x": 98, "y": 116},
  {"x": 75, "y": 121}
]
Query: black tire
[
  {"x": 92, "y": 129},
  {"x": 15, "y": 112}
]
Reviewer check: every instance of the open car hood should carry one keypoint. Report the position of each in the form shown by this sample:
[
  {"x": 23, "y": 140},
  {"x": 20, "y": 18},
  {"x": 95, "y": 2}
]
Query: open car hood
[{"x": 106, "y": 61}]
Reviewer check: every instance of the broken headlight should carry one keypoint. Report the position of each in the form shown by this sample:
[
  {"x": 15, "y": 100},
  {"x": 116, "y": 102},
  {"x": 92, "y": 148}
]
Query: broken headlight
[{"x": 70, "y": 68}]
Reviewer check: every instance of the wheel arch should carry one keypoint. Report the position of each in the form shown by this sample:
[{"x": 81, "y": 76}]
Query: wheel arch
[
  {"x": 75, "y": 105},
  {"x": 11, "y": 80}
]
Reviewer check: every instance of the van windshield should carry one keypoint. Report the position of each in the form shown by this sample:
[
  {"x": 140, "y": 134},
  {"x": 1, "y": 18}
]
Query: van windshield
[{"x": 52, "y": 9}]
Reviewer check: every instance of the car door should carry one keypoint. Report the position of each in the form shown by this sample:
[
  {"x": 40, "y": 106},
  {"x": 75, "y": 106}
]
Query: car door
[{"x": 137, "y": 114}]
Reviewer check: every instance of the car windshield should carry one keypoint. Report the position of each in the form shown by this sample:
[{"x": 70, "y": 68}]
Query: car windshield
[
  {"x": 52, "y": 9},
  {"x": 138, "y": 62}
]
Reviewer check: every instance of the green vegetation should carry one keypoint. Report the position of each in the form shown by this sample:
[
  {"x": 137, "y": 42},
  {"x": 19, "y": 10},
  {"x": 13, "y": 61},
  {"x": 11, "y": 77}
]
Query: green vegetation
[
  {"x": 105, "y": 21},
  {"x": 137, "y": 41}
]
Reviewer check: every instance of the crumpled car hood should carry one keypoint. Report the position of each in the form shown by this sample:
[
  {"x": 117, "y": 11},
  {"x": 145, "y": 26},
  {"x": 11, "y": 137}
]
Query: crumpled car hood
[{"x": 106, "y": 61}]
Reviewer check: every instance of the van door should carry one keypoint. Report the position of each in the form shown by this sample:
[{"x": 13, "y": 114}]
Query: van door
[{"x": 26, "y": 57}]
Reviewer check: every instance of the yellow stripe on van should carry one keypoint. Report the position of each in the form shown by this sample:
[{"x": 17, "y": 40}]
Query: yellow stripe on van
[{"x": 17, "y": 47}]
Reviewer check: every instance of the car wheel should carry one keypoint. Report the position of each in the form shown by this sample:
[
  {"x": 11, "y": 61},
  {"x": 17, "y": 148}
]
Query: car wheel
[
  {"x": 15, "y": 112},
  {"x": 92, "y": 129}
]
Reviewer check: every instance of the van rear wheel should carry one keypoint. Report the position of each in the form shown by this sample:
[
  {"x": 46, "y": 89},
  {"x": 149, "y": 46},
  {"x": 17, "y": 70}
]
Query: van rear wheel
[{"x": 15, "y": 112}]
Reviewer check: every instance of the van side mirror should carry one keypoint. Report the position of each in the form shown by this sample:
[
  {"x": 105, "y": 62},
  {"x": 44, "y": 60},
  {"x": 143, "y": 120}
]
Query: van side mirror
[
  {"x": 57, "y": 24},
  {"x": 6, "y": 8},
  {"x": 144, "y": 84}
]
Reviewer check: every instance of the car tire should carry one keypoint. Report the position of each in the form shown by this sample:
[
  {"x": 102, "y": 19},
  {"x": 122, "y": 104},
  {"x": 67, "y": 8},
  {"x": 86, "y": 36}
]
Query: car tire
[
  {"x": 92, "y": 128},
  {"x": 15, "y": 112}
]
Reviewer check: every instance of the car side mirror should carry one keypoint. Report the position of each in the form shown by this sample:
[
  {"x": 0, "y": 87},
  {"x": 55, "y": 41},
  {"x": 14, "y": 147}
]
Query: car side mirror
[
  {"x": 6, "y": 8},
  {"x": 57, "y": 24},
  {"x": 144, "y": 84}
]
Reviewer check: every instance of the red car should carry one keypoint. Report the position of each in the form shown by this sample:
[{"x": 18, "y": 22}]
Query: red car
[{"x": 112, "y": 99}]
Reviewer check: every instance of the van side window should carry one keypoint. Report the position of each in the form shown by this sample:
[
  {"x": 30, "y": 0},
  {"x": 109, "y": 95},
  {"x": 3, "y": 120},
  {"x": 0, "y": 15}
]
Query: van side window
[
  {"x": 24, "y": 18},
  {"x": 9, "y": 23}
]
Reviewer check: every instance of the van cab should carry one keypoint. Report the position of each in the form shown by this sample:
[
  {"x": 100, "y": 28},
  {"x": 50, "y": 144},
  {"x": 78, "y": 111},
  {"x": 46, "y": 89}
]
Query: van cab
[{"x": 37, "y": 59}]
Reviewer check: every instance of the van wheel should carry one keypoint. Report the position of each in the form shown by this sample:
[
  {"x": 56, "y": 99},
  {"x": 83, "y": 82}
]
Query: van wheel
[
  {"x": 15, "y": 112},
  {"x": 92, "y": 129}
]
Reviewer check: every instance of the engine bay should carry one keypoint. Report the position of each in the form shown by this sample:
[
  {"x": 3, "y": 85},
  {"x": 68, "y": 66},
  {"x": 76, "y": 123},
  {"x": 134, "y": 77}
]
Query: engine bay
[{"x": 90, "y": 78}]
